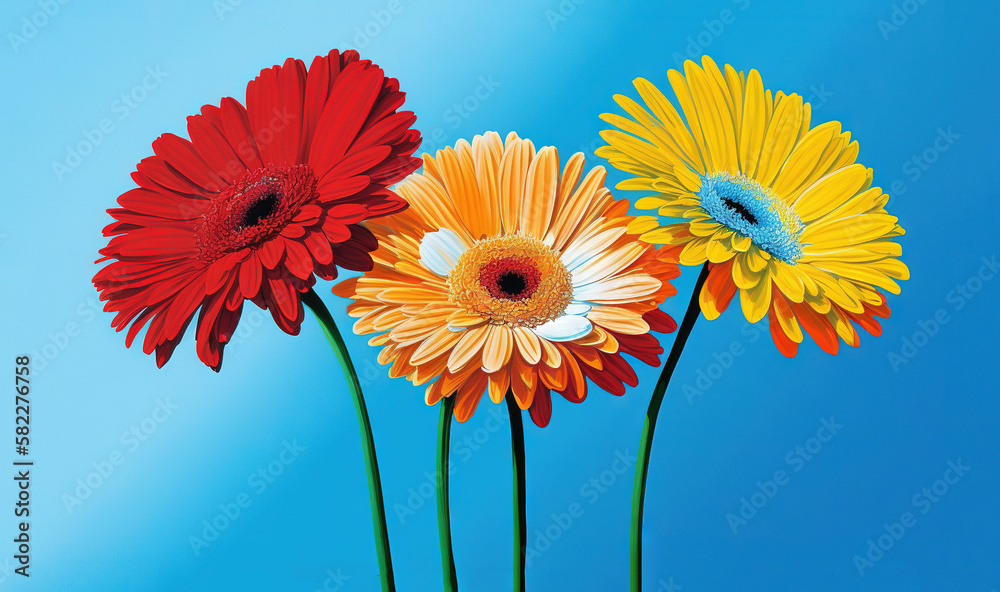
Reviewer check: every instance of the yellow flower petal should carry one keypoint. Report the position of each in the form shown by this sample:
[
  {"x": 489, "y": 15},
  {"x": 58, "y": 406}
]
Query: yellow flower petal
[
  {"x": 719, "y": 250},
  {"x": 674, "y": 234},
  {"x": 830, "y": 192},
  {"x": 694, "y": 252},
  {"x": 756, "y": 300},
  {"x": 753, "y": 128},
  {"x": 788, "y": 281}
]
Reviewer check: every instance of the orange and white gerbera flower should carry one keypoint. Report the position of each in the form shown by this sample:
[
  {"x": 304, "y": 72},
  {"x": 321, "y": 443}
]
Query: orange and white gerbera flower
[{"x": 505, "y": 276}]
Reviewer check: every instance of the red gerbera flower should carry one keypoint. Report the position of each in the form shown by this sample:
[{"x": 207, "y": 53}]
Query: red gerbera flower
[{"x": 257, "y": 202}]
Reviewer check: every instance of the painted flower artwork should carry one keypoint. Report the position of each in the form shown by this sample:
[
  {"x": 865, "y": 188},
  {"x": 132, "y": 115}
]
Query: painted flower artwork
[
  {"x": 257, "y": 204},
  {"x": 511, "y": 296},
  {"x": 507, "y": 274}
]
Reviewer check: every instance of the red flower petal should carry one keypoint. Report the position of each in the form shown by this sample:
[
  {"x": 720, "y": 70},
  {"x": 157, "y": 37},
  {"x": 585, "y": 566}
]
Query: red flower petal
[
  {"x": 251, "y": 273},
  {"x": 206, "y": 134},
  {"x": 350, "y": 100},
  {"x": 274, "y": 109},
  {"x": 183, "y": 157},
  {"x": 359, "y": 161},
  {"x": 336, "y": 231},
  {"x": 386, "y": 130},
  {"x": 322, "y": 72},
  {"x": 319, "y": 246},
  {"x": 333, "y": 188},
  {"x": 348, "y": 213},
  {"x": 236, "y": 126},
  {"x": 660, "y": 321},
  {"x": 541, "y": 407},
  {"x": 162, "y": 204},
  {"x": 270, "y": 253},
  {"x": 298, "y": 260}
]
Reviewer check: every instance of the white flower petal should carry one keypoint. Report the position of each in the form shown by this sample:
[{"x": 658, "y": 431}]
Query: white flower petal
[
  {"x": 588, "y": 247},
  {"x": 577, "y": 308},
  {"x": 619, "y": 290},
  {"x": 565, "y": 328},
  {"x": 607, "y": 264},
  {"x": 439, "y": 251}
]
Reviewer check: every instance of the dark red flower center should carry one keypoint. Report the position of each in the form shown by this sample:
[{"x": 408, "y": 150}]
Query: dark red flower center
[
  {"x": 510, "y": 278},
  {"x": 254, "y": 208},
  {"x": 262, "y": 208}
]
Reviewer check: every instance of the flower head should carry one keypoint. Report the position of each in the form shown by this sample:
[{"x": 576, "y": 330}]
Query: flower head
[
  {"x": 505, "y": 275},
  {"x": 257, "y": 203},
  {"x": 781, "y": 212}
]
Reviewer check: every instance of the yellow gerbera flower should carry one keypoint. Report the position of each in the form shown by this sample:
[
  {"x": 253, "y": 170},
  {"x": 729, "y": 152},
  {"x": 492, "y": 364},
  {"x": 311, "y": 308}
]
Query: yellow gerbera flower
[
  {"x": 779, "y": 211},
  {"x": 503, "y": 275}
]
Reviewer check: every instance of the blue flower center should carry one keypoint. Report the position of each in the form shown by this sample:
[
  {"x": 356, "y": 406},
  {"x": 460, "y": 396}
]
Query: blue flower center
[{"x": 746, "y": 207}]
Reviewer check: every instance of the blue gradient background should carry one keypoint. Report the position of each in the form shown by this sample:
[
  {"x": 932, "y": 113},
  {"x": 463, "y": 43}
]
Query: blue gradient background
[{"x": 555, "y": 77}]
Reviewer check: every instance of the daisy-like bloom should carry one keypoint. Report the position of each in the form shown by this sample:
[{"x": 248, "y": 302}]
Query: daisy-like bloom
[
  {"x": 781, "y": 212},
  {"x": 260, "y": 201},
  {"x": 505, "y": 275}
]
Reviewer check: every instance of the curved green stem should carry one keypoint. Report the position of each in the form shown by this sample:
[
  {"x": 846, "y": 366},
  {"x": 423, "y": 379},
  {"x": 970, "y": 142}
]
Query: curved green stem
[
  {"x": 313, "y": 301},
  {"x": 444, "y": 513},
  {"x": 520, "y": 520},
  {"x": 646, "y": 440}
]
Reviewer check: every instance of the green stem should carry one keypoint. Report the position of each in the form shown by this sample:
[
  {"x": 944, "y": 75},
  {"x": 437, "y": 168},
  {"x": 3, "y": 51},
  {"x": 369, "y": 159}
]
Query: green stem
[
  {"x": 520, "y": 520},
  {"x": 444, "y": 513},
  {"x": 313, "y": 301},
  {"x": 646, "y": 440}
]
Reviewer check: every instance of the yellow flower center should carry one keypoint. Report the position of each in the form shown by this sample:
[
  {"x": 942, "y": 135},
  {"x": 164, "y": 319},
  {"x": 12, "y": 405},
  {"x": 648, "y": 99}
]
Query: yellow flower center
[{"x": 512, "y": 280}]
